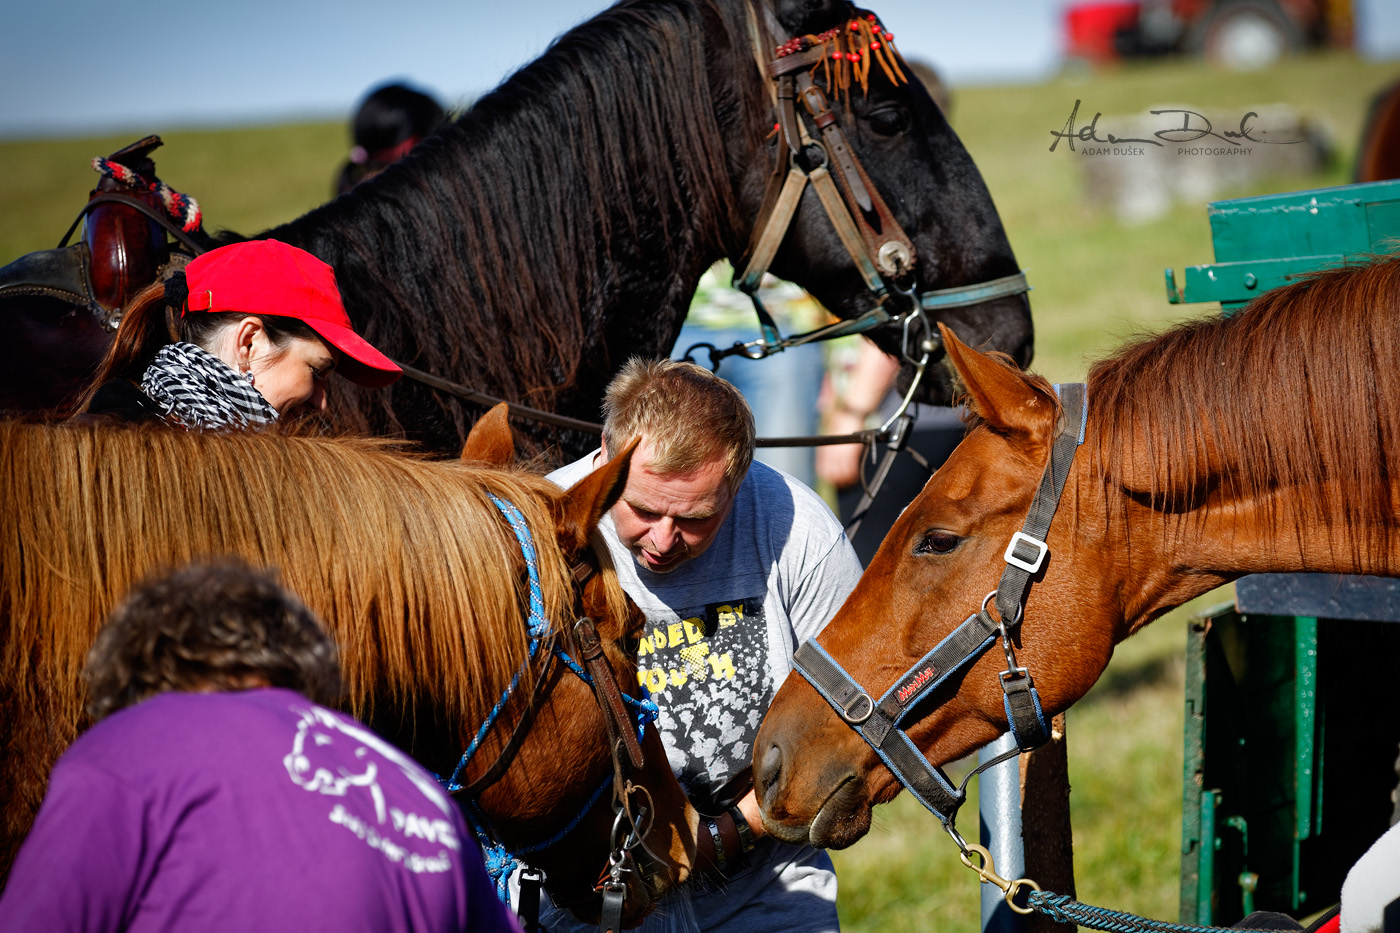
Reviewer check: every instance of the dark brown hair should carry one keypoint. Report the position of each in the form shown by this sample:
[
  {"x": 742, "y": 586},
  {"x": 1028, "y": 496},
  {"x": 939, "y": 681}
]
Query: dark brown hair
[
  {"x": 209, "y": 626},
  {"x": 155, "y": 317}
]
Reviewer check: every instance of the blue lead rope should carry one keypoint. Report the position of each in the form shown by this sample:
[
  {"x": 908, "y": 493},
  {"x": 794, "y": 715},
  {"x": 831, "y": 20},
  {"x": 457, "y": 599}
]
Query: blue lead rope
[
  {"x": 537, "y": 626},
  {"x": 1064, "y": 909}
]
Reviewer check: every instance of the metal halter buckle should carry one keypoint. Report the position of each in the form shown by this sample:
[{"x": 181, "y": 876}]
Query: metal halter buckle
[
  {"x": 851, "y": 717},
  {"x": 1029, "y": 566}
]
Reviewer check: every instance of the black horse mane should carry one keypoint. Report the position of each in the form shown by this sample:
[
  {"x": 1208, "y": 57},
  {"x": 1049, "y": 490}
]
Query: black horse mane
[{"x": 465, "y": 258}]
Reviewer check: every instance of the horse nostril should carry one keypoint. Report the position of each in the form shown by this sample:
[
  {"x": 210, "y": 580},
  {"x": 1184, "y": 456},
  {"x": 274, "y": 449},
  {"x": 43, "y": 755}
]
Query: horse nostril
[{"x": 770, "y": 769}]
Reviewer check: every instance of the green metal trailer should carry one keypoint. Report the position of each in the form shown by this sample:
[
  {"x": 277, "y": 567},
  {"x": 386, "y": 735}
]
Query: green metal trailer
[{"x": 1292, "y": 707}]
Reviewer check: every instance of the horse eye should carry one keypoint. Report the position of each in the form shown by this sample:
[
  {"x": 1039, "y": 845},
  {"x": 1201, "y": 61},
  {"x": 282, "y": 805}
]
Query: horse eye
[
  {"x": 937, "y": 542},
  {"x": 889, "y": 121},
  {"x": 631, "y": 644}
]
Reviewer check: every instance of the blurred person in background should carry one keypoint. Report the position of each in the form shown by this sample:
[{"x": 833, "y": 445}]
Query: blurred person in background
[
  {"x": 782, "y": 389},
  {"x": 390, "y": 121}
]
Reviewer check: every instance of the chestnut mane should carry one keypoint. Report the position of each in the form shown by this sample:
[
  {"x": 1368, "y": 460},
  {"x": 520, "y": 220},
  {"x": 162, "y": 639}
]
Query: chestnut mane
[
  {"x": 412, "y": 568},
  {"x": 1299, "y": 390}
]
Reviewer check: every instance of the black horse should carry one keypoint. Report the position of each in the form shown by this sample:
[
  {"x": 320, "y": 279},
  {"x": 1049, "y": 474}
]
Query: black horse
[{"x": 561, "y": 224}]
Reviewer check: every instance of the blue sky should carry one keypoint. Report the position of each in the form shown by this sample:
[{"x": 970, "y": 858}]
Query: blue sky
[{"x": 80, "y": 66}]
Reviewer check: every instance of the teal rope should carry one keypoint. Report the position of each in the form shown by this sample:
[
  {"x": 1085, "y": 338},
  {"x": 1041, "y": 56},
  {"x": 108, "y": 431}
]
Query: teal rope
[{"x": 1064, "y": 909}]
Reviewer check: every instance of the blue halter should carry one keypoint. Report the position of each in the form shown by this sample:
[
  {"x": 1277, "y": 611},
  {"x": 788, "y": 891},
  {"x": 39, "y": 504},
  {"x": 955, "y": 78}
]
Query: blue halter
[{"x": 501, "y": 862}]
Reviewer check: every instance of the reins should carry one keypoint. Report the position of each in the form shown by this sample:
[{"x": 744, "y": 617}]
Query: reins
[
  {"x": 882, "y": 252},
  {"x": 625, "y": 731}
]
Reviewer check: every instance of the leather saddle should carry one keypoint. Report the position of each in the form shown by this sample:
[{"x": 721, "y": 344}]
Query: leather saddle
[{"x": 124, "y": 245}]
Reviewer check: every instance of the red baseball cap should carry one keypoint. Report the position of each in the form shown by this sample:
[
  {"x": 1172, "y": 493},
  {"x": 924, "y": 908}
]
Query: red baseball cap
[{"x": 271, "y": 277}]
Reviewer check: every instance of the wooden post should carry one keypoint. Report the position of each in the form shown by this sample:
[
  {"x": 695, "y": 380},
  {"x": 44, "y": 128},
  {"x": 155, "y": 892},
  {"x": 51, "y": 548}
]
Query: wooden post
[{"x": 1045, "y": 823}]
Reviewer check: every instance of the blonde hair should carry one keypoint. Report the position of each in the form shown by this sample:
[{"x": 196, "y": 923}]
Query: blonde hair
[{"x": 687, "y": 414}]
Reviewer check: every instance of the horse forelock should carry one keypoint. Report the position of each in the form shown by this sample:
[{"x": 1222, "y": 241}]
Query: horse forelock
[
  {"x": 1295, "y": 392},
  {"x": 414, "y": 571},
  {"x": 490, "y": 234}
]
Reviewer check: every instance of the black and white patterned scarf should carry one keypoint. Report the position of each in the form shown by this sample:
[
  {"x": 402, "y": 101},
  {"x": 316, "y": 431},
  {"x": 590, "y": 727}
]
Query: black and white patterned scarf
[{"x": 195, "y": 388}]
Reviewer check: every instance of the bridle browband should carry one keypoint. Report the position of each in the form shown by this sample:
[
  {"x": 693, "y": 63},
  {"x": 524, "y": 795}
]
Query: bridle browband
[
  {"x": 625, "y": 729},
  {"x": 884, "y": 724},
  {"x": 882, "y": 252}
]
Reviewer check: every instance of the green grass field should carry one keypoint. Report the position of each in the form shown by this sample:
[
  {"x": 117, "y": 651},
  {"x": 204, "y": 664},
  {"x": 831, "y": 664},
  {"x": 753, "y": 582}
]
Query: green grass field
[{"x": 1096, "y": 282}]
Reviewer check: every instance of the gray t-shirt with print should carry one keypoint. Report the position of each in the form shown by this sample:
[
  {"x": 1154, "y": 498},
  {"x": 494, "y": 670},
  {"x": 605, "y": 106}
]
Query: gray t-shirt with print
[{"x": 721, "y": 632}]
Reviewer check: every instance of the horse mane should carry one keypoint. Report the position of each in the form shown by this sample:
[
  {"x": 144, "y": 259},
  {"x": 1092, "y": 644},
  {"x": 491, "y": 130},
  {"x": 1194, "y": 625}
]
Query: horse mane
[
  {"x": 1298, "y": 391},
  {"x": 412, "y": 568},
  {"x": 477, "y": 256}
]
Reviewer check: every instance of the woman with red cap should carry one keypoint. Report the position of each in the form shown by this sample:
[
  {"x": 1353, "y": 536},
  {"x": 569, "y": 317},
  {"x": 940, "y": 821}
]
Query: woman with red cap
[{"x": 258, "y": 328}]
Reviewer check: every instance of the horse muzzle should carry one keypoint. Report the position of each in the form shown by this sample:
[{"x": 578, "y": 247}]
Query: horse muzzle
[{"x": 826, "y": 805}]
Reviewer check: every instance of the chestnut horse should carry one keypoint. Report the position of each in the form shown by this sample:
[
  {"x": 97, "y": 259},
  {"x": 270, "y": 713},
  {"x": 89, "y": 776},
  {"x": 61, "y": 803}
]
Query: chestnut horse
[
  {"x": 417, "y": 574},
  {"x": 560, "y": 226},
  {"x": 1264, "y": 442}
]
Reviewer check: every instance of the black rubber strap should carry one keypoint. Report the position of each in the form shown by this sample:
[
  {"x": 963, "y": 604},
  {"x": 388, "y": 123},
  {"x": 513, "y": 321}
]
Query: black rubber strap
[
  {"x": 962, "y": 646},
  {"x": 1023, "y": 712},
  {"x": 1011, "y": 592},
  {"x": 895, "y": 749},
  {"x": 839, "y": 689},
  {"x": 924, "y": 780}
]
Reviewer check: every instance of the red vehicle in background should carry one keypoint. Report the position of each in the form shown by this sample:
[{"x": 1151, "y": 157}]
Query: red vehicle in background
[{"x": 1233, "y": 33}]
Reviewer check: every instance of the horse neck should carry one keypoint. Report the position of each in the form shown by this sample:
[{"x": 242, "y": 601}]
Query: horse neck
[{"x": 560, "y": 225}]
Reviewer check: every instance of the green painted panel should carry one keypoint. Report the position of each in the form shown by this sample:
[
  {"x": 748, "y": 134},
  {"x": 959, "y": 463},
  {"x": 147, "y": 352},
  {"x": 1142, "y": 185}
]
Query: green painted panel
[
  {"x": 1305, "y": 709},
  {"x": 1193, "y": 852},
  {"x": 1239, "y": 282},
  {"x": 1383, "y": 223},
  {"x": 1317, "y": 222},
  {"x": 1261, "y": 242}
]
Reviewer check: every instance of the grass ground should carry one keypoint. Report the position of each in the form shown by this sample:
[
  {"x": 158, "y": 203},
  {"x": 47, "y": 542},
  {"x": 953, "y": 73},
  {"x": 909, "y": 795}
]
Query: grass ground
[{"x": 1096, "y": 281}]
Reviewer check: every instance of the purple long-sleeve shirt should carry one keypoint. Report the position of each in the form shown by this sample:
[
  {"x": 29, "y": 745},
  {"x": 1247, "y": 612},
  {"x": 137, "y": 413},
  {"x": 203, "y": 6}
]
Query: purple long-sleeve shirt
[{"x": 253, "y": 810}]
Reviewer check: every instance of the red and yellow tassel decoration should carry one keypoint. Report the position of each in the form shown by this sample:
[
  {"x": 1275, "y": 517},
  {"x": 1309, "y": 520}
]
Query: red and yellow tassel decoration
[{"x": 849, "y": 50}]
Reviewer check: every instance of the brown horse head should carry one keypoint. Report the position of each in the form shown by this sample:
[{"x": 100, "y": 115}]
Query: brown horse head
[
  {"x": 1265, "y": 442},
  {"x": 416, "y": 572},
  {"x": 940, "y": 559}
]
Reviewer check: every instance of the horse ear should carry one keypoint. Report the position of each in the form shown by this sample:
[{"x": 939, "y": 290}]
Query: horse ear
[
  {"x": 998, "y": 393},
  {"x": 490, "y": 441},
  {"x": 588, "y": 500}
]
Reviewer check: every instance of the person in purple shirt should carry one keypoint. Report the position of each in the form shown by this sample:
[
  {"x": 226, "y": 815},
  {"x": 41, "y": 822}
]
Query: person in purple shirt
[{"x": 214, "y": 793}]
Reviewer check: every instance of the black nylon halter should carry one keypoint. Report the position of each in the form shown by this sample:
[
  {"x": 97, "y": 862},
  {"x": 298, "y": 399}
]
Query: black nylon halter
[{"x": 883, "y": 724}]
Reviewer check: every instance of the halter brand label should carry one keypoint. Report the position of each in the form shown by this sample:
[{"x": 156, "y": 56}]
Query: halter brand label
[{"x": 907, "y": 692}]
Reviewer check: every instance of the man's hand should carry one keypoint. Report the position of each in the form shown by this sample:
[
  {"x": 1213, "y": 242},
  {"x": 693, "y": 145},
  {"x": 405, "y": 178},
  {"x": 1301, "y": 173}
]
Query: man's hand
[{"x": 748, "y": 805}]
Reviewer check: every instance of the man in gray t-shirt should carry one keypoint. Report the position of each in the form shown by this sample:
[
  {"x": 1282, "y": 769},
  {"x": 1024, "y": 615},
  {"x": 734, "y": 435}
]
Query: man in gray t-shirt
[{"x": 734, "y": 564}]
